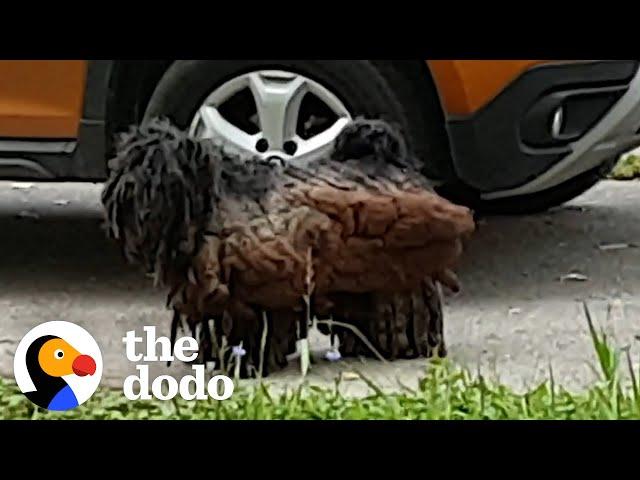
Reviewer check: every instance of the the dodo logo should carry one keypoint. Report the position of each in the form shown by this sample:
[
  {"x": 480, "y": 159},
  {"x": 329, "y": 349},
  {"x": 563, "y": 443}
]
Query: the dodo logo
[{"x": 58, "y": 365}]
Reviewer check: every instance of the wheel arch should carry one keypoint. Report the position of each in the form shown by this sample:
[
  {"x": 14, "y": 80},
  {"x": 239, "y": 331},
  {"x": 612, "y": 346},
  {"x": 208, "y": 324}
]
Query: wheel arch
[
  {"x": 131, "y": 84},
  {"x": 415, "y": 83}
]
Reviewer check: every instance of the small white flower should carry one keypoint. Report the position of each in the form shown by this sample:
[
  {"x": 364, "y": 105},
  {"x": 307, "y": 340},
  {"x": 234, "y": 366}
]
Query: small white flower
[
  {"x": 333, "y": 355},
  {"x": 238, "y": 351}
]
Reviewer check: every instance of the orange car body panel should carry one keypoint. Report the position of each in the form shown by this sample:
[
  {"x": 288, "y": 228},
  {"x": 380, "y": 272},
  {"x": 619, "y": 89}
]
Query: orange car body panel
[
  {"x": 44, "y": 98},
  {"x": 41, "y": 98},
  {"x": 465, "y": 86}
]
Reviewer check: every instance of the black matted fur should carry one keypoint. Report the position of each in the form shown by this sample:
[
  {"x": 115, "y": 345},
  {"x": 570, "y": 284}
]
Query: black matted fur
[{"x": 162, "y": 190}]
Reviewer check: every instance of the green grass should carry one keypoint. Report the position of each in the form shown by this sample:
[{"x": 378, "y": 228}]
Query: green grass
[
  {"x": 627, "y": 168},
  {"x": 445, "y": 392}
]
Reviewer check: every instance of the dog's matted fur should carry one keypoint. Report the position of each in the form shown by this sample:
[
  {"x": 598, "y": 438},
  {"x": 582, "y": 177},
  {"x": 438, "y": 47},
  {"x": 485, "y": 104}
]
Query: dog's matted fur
[{"x": 233, "y": 237}]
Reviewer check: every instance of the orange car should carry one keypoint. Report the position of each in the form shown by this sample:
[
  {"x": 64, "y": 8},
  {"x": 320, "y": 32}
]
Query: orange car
[{"x": 500, "y": 135}]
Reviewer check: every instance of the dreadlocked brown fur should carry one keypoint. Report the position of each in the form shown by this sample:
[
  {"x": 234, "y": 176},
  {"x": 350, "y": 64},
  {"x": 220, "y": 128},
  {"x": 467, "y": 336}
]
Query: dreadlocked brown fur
[{"x": 241, "y": 241}]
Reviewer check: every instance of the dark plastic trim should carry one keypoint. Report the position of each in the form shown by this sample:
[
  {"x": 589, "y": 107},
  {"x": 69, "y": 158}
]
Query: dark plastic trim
[
  {"x": 88, "y": 161},
  {"x": 487, "y": 147}
]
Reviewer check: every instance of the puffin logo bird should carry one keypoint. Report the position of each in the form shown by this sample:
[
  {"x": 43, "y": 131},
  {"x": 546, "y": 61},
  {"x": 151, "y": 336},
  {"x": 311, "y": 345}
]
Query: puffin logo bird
[{"x": 49, "y": 358}]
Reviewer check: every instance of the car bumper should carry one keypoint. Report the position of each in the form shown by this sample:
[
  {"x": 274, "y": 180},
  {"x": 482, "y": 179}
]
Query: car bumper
[{"x": 514, "y": 147}]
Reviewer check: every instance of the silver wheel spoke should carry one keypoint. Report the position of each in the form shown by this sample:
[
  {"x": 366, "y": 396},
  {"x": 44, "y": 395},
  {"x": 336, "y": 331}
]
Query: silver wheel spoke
[
  {"x": 278, "y": 96},
  {"x": 320, "y": 144},
  {"x": 216, "y": 126}
]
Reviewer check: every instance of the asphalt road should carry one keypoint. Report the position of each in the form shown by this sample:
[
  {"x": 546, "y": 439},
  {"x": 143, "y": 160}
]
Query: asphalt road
[{"x": 513, "y": 319}]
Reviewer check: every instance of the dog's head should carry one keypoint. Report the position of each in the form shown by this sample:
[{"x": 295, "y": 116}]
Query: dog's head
[{"x": 159, "y": 195}]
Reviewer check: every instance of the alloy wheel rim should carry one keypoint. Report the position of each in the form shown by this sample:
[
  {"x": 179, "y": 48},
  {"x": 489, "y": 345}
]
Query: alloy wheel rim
[{"x": 284, "y": 105}]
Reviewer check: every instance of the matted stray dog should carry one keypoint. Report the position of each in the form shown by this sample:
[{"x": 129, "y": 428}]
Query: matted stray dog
[{"x": 252, "y": 250}]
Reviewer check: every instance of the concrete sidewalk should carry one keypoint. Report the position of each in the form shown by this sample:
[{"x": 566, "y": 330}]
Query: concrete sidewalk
[{"x": 513, "y": 318}]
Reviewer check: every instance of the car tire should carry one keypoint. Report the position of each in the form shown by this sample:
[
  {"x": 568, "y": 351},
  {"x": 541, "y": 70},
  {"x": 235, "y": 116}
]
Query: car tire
[{"x": 375, "y": 89}]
